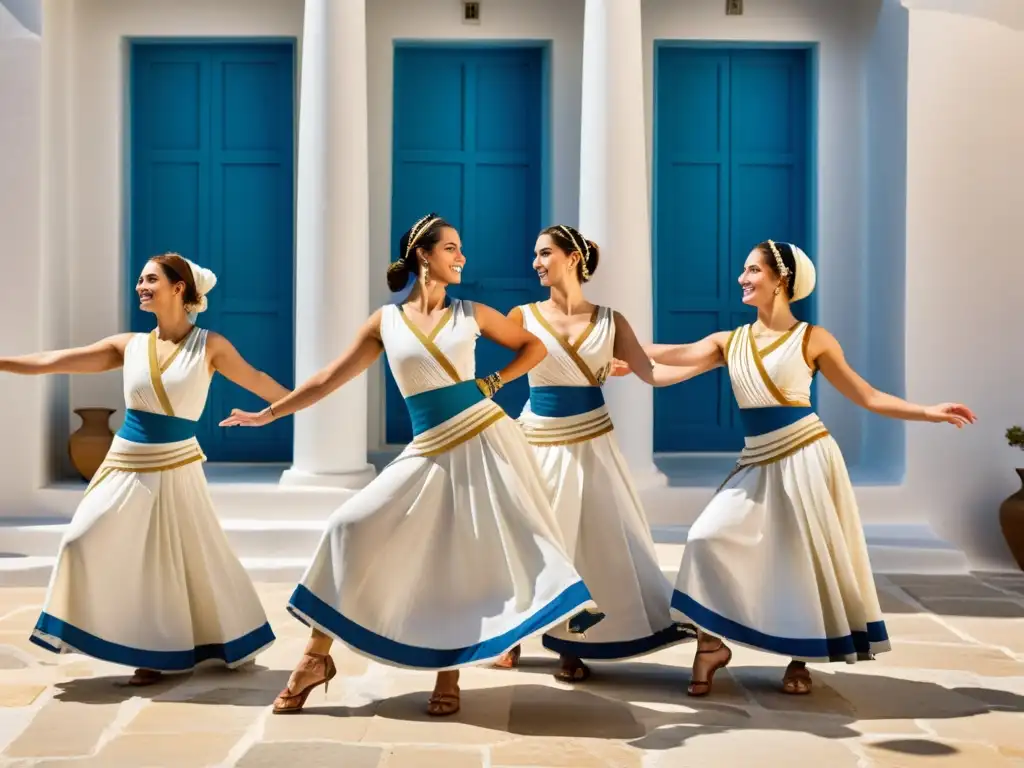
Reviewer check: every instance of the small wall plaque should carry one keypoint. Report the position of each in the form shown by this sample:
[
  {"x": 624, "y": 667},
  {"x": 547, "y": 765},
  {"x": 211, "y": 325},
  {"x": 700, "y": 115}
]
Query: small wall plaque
[
  {"x": 470, "y": 13},
  {"x": 733, "y": 7}
]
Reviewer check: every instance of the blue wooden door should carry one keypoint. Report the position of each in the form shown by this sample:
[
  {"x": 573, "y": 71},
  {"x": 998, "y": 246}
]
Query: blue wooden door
[
  {"x": 732, "y": 168},
  {"x": 467, "y": 144},
  {"x": 212, "y": 178}
]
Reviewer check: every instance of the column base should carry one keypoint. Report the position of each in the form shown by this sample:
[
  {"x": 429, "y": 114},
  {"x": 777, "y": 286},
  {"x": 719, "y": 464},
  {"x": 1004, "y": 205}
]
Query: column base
[
  {"x": 353, "y": 480},
  {"x": 648, "y": 477}
]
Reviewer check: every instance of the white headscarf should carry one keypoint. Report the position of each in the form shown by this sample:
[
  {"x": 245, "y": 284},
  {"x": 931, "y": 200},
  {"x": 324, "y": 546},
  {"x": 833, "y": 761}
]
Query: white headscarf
[
  {"x": 806, "y": 276},
  {"x": 204, "y": 280}
]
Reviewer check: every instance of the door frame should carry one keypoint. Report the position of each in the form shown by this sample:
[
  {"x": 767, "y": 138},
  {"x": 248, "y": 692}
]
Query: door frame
[
  {"x": 546, "y": 130},
  {"x": 811, "y": 179}
]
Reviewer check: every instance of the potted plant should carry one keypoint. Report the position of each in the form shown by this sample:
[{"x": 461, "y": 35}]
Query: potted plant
[{"x": 1011, "y": 512}]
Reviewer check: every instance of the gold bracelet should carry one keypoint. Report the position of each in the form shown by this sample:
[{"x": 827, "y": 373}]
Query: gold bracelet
[{"x": 489, "y": 385}]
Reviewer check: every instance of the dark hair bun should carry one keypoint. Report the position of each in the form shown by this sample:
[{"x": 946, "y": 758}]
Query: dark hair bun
[
  {"x": 427, "y": 233},
  {"x": 593, "y": 257},
  {"x": 398, "y": 275}
]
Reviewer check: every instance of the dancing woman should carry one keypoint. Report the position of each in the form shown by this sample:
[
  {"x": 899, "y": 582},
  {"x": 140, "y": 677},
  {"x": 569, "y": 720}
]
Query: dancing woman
[
  {"x": 451, "y": 555},
  {"x": 597, "y": 507},
  {"x": 145, "y": 576},
  {"x": 777, "y": 560}
]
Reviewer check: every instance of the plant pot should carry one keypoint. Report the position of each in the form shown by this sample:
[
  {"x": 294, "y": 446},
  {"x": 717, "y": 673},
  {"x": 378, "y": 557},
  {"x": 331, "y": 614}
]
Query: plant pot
[
  {"x": 89, "y": 445},
  {"x": 1011, "y": 520}
]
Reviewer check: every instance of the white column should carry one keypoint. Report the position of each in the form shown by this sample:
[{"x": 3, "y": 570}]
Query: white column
[
  {"x": 332, "y": 240},
  {"x": 614, "y": 204}
]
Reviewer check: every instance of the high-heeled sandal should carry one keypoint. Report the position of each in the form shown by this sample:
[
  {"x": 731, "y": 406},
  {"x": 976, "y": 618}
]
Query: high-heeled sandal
[
  {"x": 701, "y": 688},
  {"x": 573, "y": 671},
  {"x": 797, "y": 680},
  {"x": 288, "y": 703},
  {"x": 144, "y": 677},
  {"x": 444, "y": 704},
  {"x": 509, "y": 659}
]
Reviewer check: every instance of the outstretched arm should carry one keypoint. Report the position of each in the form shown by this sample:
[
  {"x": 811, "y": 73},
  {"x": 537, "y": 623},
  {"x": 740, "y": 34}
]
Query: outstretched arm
[
  {"x": 824, "y": 352},
  {"x": 357, "y": 358},
  {"x": 529, "y": 349},
  {"x": 104, "y": 355},
  {"x": 226, "y": 360},
  {"x": 706, "y": 354},
  {"x": 628, "y": 350}
]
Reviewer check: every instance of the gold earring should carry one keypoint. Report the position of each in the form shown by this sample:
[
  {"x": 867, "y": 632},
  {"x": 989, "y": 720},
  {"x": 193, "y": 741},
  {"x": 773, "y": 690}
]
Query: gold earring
[
  {"x": 777, "y": 289},
  {"x": 426, "y": 274}
]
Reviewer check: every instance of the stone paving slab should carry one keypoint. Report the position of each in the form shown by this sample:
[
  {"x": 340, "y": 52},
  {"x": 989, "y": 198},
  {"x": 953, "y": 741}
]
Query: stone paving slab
[{"x": 949, "y": 695}]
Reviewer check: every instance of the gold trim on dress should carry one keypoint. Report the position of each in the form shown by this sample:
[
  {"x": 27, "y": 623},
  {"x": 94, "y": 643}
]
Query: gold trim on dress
[
  {"x": 177, "y": 350},
  {"x": 778, "y": 342},
  {"x": 156, "y": 377},
  {"x": 728, "y": 346},
  {"x": 571, "y": 349},
  {"x": 759, "y": 364},
  {"x": 803, "y": 347},
  {"x": 465, "y": 426},
  {"x": 428, "y": 342}
]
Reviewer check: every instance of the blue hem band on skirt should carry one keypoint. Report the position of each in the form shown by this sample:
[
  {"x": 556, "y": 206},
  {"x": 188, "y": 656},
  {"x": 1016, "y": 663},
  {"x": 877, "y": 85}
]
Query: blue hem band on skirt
[
  {"x": 857, "y": 644},
  {"x": 620, "y": 649},
  {"x": 435, "y": 406},
  {"x": 761, "y": 421},
  {"x": 155, "y": 428},
  {"x": 79, "y": 640},
  {"x": 559, "y": 402},
  {"x": 305, "y": 603}
]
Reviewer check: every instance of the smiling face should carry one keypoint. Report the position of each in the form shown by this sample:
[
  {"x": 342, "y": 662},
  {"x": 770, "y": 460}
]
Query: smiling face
[
  {"x": 445, "y": 259},
  {"x": 155, "y": 290},
  {"x": 551, "y": 263},
  {"x": 759, "y": 281}
]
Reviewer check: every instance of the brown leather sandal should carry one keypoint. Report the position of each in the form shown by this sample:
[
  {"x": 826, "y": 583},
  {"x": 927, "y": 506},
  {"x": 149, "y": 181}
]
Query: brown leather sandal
[
  {"x": 144, "y": 677},
  {"x": 509, "y": 659},
  {"x": 701, "y": 688},
  {"x": 288, "y": 703},
  {"x": 444, "y": 704},
  {"x": 573, "y": 671},
  {"x": 797, "y": 680}
]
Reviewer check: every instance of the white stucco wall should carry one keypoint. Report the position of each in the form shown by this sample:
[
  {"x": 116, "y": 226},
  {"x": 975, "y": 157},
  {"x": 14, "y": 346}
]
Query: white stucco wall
[
  {"x": 965, "y": 272},
  {"x": 20, "y": 244}
]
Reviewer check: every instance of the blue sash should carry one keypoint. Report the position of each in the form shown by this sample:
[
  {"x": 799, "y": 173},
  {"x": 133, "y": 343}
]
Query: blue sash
[
  {"x": 559, "y": 402},
  {"x": 434, "y": 407},
  {"x": 146, "y": 427},
  {"x": 760, "y": 421}
]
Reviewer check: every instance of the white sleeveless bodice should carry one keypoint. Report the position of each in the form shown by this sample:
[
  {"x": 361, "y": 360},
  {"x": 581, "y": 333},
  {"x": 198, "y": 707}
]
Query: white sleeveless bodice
[
  {"x": 777, "y": 374},
  {"x": 579, "y": 362},
  {"x": 177, "y": 386},
  {"x": 421, "y": 361}
]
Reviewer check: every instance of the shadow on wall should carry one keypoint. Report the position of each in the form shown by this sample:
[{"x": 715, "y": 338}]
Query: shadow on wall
[
  {"x": 29, "y": 13},
  {"x": 1008, "y": 13}
]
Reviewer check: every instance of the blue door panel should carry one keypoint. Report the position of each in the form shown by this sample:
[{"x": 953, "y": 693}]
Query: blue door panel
[
  {"x": 212, "y": 178},
  {"x": 474, "y": 158},
  {"x": 731, "y": 169}
]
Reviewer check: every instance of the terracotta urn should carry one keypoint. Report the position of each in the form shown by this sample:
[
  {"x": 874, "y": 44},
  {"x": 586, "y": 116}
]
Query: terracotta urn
[
  {"x": 89, "y": 445},
  {"x": 1011, "y": 520}
]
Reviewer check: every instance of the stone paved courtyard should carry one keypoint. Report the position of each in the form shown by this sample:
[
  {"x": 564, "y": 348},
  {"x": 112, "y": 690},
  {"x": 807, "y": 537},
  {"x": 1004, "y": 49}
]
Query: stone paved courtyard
[{"x": 950, "y": 694}]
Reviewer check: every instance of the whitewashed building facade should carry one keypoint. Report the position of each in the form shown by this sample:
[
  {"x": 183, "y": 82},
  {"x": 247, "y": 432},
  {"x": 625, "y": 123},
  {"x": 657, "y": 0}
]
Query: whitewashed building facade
[{"x": 648, "y": 123}]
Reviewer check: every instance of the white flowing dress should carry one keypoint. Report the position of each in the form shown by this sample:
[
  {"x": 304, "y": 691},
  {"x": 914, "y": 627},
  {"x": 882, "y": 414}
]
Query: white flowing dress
[
  {"x": 145, "y": 576},
  {"x": 451, "y": 555},
  {"x": 596, "y": 504},
  {"x": 777, "y": 560}
]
